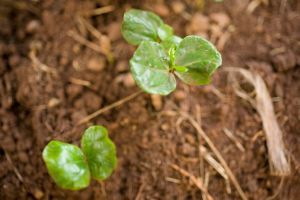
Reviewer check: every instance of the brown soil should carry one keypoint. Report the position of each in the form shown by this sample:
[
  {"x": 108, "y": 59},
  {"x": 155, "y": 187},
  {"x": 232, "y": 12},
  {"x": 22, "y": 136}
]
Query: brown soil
[{"x": 41, "y": 102}]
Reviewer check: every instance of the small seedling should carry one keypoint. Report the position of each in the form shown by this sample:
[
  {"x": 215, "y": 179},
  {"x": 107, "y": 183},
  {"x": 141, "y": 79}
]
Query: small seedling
[
  {"x": 72, "y": 168},
  {"x": 161, "y": 55}
]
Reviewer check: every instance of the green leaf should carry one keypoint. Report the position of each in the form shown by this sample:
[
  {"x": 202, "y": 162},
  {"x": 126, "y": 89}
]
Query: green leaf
[
  {"x": 67, "y": 165},
  {"x": 180, "y": 68},
  {"x": 150, "y": 69},
  {"x": 100, "y": 152},
  {"x": 140, "y": 25},
  {"x": 171, "y": 42},
  {"x": 165, "y": 31},
  {"x": 200, "y": 57}
]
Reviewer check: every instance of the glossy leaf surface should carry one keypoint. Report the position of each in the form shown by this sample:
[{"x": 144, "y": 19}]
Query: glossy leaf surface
[
  {"x": 67, "y": 165},
  {"x": 100, "y": 152},
  {"x": 164, "y": 31},
  {"x": 150, "y": 69},
  {"x": 200, "y": 57},
  {"x": 171, "y": 42},
  {"x": 140, "y": 26}
]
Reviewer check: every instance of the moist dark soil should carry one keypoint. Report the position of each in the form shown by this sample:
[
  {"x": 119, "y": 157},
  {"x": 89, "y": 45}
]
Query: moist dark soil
[{"x": 49, "y": 81}]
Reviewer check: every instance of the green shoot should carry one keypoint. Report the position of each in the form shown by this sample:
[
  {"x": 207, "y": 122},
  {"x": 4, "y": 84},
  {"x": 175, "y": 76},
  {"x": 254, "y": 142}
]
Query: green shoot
[
  {"x": 72, "y": 168},
  {"x": 161, "y": 56}
]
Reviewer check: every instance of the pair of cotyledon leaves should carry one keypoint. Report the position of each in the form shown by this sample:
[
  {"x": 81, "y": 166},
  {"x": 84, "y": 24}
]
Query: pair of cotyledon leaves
[
  {"x": 161, "y": 54},
  {"x": 72, "y": 167}
]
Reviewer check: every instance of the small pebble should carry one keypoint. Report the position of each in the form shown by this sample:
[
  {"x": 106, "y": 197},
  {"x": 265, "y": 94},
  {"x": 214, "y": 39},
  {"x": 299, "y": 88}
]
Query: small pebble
[
  {"x": 74, "y": 90},
  {"x": 38, "y": 194},
  {"x": 220, "y": 18},
  {"x": 161, "y": 10},
  {"x": 96, "y": 64},
  {"x": 122, "y": 66},
  {"x": 179, "y": 95},
  {"x": 126, "y": 80},
  {"x": 165, "y": 127},
  {"x": 156, "y": 101},
  {"x": 114, "y": 31},
  {"x": 33, "y": 26},
  {"x": 178, "y": 7},
  {"x": 199, "y": 24}
]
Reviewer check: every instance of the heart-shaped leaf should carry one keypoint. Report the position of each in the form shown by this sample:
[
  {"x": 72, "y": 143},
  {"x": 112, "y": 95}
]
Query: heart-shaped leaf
[
  {"x": 67, "y": 165},
  {"x": 150, "y": 69},
  {"x": 200, "y": 57},
  {"x": 100, "y": 152},
  {"x": 140, "y": 25}
]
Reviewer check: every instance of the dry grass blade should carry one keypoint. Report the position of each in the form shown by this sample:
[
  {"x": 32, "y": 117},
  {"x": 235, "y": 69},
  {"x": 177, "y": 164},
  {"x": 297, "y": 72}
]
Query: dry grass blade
[
  {"x": 278, "y": 161},
  {"x": 85, "y": 42},
  {"x": 215, "y": 164},
  {"x": 197, "y": 181},
  {"x": 104, "y": 41},
  {"x": 39, "y": 65},
  {"x": 217, "y": 153},
  {"x": 230, "y": 135},
  {"x": 14, "y": 167},
  {"x": 77, "y": 81},
  {"x": 107, "y": 108},
  {"x": 102, "y": 10}
]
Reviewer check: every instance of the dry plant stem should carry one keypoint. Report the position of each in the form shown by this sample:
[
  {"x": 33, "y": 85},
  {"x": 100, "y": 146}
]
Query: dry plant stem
[
  {"x": 201, "y": 163},
  {"x": 139, "y": 193},
  {"x": 103, "y": 191},
  {"x": 278, "y": 161},
  {"x": 14, "y": 168},
  {"x": 81, "y": 82},
  {"x": 107, "y": 108},
  {"x": 197, "y": 181},
  {"x": 101, "y": 38},
  {"x": 230, "y": 135},
  {"x": 85, "y": 42},
  {"x": 102, "y": 10},
  {"x": 217, "y": 153},
  {"x": 38, "y": 64},
  {"x": 215, "y": 164}
]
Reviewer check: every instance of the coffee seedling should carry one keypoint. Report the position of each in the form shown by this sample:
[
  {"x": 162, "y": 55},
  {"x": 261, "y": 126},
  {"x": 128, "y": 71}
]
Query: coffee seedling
[
  {"x": 72, "y": 168},
  {"x": 161, "y": 55}
]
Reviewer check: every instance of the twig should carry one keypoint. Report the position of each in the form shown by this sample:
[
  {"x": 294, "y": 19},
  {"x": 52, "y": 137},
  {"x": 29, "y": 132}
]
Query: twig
[
  {"x": 102, "y": 10},
  {"x": 256, "y": 135},
  {"x": 107, "y": 108},
  {"x": 172, "y": 180},
  {"x": 218, "y": 155},
  {"x": 85, "y": 42},
  {"x": 77, "y": 81},
  {"x": 14, "y": 168},
  {"x": 199, "y": 120},
  {"x": 228, "y": 188},
  {"x": 38, "y": 64},
  {"x": 103, "y": 191},
  {"x": 206, "y": 182},
  {"x": 90, "y": 28},
  {"x": 139, "y": 193},
  {"x": 215, "y": 164},
  {"x": 197, "y": 181},
  {"x": 230, "y": 135}
]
